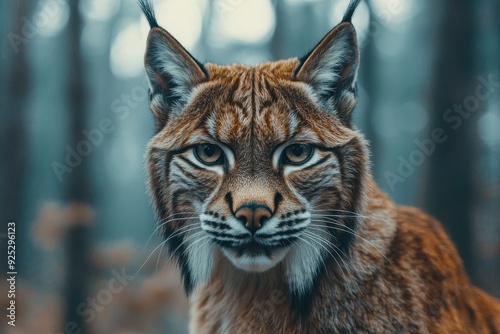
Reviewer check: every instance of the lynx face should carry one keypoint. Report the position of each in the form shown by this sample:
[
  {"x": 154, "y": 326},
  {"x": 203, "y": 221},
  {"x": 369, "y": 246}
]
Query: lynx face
[{"x": 257, "y": 165}]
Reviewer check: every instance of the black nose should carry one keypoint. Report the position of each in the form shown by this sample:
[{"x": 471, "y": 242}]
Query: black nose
[{"x": 253, "y": 215}]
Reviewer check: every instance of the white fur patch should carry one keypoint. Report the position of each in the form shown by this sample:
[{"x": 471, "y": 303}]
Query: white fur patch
[
  {"x": 255, "y": 263},
  {"x": 302, "y": 263},
  {"x": 201, "y": 252}
]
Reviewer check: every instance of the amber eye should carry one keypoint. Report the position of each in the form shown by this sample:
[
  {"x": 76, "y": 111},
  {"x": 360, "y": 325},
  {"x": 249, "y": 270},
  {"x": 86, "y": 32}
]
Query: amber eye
[
  {"x": 209, "y": 154},
  {"x": 297, "y": 154}
]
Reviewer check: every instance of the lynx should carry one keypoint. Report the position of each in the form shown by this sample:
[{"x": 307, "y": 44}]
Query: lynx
[{"x": 263, "y": 192}]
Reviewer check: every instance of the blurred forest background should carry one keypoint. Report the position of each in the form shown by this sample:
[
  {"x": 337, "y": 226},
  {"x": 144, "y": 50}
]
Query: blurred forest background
[{"x": 74, "y": 123}]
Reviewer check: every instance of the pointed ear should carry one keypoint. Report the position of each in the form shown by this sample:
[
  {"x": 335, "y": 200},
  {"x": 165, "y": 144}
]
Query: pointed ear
[
  {"x": 172, "y": 73},
  {"x": 171, "y": 70},
  {"x": 331, "y": 69}
]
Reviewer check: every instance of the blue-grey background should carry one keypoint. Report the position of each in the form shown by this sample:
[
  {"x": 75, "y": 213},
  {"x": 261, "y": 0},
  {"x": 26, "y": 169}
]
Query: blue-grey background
[{"x": 72, "y": 70}]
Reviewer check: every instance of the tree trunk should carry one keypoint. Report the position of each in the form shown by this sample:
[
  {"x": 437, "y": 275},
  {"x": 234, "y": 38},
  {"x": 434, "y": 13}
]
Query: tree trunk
[
  {"x": 78, "y": 182},
  {"x": 450, "y": 183},
  {"x": 13, "y": 130}
]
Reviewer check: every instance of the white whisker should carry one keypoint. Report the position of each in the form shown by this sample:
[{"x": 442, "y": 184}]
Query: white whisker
[
  {"x": 159, "y": 225},
  {"x": 185, "y": 241},
  {"x": 327, "y": 241},
  {"x": 154, "y": 250},
  {"x": 195, "y": 242},
  {"x": 159, "y": 256},
  {"x": 316, "y": 237},
  {"x": 347, "y": 229}
]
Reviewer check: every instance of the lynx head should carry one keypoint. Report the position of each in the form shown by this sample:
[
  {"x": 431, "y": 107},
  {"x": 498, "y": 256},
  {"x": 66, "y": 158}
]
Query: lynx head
[{"x": 259, "y": 166}]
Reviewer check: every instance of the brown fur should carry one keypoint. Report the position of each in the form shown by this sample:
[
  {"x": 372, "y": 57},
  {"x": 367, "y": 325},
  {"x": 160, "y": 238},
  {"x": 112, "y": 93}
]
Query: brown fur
[
  {"x": 392, "y": 270},
  {"x": 420, "y": 288}
]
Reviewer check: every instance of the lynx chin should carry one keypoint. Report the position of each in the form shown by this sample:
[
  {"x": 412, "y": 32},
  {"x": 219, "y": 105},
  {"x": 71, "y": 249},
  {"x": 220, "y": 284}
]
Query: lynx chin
[{"x": 262, "y": 188}]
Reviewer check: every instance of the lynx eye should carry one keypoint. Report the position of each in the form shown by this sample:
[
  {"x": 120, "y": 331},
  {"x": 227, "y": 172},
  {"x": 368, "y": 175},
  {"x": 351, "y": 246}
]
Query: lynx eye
[
  {"x": 209, "y": 154},
  {"x": 297, "y": 154}
]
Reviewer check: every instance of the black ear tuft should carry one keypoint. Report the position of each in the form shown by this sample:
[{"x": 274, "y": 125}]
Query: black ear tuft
[
  {"x": 149, "y": 11},
  {"x": 331, "y": 68},
  {"x": 350, "y": 10}
]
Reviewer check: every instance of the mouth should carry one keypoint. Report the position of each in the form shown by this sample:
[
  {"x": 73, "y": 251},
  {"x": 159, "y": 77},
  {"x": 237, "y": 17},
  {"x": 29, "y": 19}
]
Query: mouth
[
  {"x": 255, "y": 256},
  {"x": 255, "y": 260},
  {"x": 257, "y": 252},
  {"x": 254, "y": 245},
  {"x": 254, "y": 248}
]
